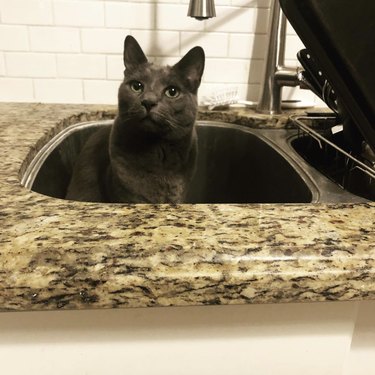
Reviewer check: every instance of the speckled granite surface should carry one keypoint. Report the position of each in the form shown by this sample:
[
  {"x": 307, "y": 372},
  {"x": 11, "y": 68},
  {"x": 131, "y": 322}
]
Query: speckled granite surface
[{"x": 59, "y": 254}]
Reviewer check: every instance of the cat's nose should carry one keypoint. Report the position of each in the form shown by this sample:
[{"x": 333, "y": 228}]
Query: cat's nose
[{"x": 148, "y": 104}]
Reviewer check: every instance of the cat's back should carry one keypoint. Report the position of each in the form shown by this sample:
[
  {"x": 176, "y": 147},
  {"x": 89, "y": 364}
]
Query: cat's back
[{"x": 89, "y": 172}]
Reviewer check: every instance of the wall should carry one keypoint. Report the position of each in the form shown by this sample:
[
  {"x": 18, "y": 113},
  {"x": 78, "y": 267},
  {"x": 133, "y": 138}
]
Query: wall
[
  {"x": 71, "y": 50},
  {"x": 333, "y": 338}
]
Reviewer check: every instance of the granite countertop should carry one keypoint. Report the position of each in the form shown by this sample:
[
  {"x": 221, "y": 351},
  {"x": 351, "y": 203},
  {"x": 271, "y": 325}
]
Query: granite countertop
[{"x": 57, "y": 254}]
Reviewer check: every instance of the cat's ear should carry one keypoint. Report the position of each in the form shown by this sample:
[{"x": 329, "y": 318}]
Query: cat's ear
[
  {"x": 191, "y": 67},
  {"x": 133, "y": 54}
]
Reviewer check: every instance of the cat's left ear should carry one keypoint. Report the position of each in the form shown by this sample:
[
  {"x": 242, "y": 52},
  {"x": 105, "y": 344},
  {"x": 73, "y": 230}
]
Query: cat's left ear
[
  {"x": 191, "y": 67},
  {"x": 133, "y": 54}
]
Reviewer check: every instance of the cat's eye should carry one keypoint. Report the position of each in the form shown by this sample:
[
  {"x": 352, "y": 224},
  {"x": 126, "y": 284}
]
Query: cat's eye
[
  {"x": 136, "y": 86},
  {"x": 172, "y": 92}
]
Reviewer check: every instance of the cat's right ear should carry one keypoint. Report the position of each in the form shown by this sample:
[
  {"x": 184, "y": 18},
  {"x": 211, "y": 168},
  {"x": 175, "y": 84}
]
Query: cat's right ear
[
  {"x": 133, "y": 54},
  {"x": 191, "y": 67}
]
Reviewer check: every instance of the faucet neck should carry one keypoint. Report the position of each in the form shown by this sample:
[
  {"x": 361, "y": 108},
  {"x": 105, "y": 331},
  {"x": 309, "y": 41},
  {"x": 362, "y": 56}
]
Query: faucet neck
[{"x": 276, "y": 75}]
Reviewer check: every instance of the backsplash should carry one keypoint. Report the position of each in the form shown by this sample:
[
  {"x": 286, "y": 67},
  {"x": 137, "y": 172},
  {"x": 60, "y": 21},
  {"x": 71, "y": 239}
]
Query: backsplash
[{"x": 71, "y": 50}]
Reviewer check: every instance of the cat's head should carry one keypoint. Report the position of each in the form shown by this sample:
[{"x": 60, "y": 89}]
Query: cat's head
[{"x": 160, "y": 100}]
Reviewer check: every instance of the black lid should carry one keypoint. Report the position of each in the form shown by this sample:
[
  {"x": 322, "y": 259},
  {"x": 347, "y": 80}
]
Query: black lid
[{"x": 340, "y": 34}]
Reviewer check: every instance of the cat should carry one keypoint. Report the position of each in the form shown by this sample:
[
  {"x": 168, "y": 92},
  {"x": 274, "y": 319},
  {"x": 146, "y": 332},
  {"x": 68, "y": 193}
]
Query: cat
[{"x": 149, "y": 153}]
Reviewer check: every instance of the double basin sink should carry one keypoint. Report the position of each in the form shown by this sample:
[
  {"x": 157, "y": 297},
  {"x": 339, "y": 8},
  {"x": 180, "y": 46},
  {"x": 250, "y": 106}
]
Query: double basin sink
[{"x": 236, "y": 164}]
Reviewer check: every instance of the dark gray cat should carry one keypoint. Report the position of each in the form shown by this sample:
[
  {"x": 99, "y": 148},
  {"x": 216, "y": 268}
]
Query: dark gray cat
[{"x": 149, "y": 154}]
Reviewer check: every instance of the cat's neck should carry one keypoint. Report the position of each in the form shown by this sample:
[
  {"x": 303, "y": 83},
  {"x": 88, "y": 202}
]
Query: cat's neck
[{"x": 127, "y": 141}]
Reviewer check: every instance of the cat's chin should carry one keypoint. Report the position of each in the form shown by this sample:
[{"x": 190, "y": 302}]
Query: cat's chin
[{"x": 150, "y": 124}]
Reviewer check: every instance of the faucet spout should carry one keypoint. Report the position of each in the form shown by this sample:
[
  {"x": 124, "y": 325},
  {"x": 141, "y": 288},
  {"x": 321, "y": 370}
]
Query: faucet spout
[
  {"x": 201, "y": 9},
  {"x": 276, "y": 74}
]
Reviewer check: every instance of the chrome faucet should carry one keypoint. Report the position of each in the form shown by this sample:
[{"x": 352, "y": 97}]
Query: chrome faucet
[
  {"x": 201, "y": 9},
  {"x": 276, "y": 74}
]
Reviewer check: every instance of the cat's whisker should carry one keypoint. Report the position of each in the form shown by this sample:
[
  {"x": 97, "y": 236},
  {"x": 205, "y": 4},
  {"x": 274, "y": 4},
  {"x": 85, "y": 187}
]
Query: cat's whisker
[{"x": 165, "y": 118}]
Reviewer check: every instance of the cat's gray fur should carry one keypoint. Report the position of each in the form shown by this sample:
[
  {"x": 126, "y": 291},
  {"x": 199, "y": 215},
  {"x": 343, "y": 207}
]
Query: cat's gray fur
[{"x": 149, "y": 153}]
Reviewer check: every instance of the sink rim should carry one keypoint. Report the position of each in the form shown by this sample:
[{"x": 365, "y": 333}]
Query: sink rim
[
  {"x": 322, "y": 189},
  {"x": 40, "y": 157}
]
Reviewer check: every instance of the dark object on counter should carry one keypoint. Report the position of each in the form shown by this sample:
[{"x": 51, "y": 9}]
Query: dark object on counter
[
  {"x": 340, "y": 36},
  {"x": 315, "y": 79}
]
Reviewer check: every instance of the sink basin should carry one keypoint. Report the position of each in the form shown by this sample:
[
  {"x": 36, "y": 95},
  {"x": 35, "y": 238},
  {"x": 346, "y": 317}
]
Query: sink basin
[
  {"x": 333, "y": 164},
  {"x": 236, "y": 164},
  {"x": 241, "y": 165}
]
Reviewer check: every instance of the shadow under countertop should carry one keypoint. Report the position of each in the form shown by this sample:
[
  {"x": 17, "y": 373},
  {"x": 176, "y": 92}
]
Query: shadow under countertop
[{"x": 57, "y": 254}]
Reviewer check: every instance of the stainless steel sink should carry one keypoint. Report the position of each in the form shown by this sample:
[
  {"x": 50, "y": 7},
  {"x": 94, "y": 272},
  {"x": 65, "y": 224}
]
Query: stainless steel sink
[
  {"x": 236, "y": 164},
  {"x": 325, "y": 144},
  {"x": 242, "y": 165}
]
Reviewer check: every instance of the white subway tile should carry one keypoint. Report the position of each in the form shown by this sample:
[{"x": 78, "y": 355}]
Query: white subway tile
[
  {"x": 28, "y": 64},
  {"x": 130, "y": 15},
  {"x": 223, "y": 2},
  {"x": 226, "y": 71},
  {"x": 27, "y": 12},
  {"x": 247, "y": 46},
  {"x": 100, "y": 91},
  {"x": 293, "y": 45},
  {"x": 58, "y": 90},
  {"x": 241, "y": 20},
  {"x": 103, "y": 40},
  {"x": 234, "y": 43},
  {"x": 79, "y": 13},
  {"x": 174, "y": 17},
  {"x": 115, "y": 67},
  {"x": 252, "y": 4},
  {"x": 256, "y": 70},
  {"x": 253, "y": 92},
  {"x": 214, "y": 44},
  {"x": 158, "y": 43},
  {"x": 217, "y": 2},
  {"x": 165, "y": 60},
  {"x": 248, "y": 91},
  {"x": 16, "y": 89},
  {"x": 319, "y": 103},
  {"x": 2, "y": 64},
  {"x": 54, "y": 39},
  {"x": 296, "y": 93},
  {"x": 290, "y": 30},
  {"x": 293, "y": 63},
  {"x": 13, "y": 38},
  {"x": 81, "y": 66},
  {"x": 159, "y": 1}
]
